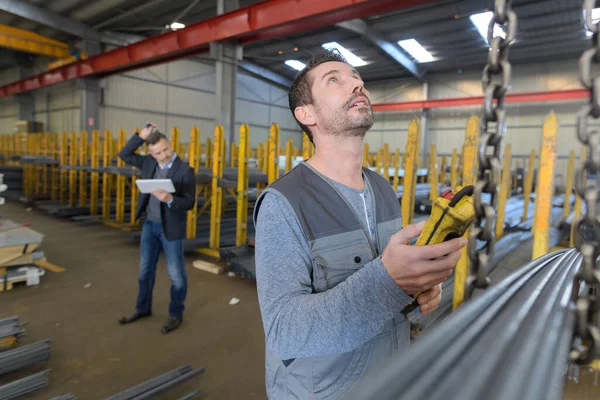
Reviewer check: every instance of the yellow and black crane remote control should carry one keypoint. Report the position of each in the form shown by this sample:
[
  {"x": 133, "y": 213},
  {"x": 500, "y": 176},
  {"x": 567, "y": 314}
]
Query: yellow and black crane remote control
[{"x": 451, "y": 215}]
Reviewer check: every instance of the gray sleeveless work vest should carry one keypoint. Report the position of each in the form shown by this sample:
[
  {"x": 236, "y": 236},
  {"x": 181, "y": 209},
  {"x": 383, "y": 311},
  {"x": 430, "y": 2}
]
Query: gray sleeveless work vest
[{"x": 339, "y": 246}]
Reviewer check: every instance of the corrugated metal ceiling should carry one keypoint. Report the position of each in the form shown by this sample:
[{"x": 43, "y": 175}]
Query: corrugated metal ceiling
[{"x": 547, "y": 30}]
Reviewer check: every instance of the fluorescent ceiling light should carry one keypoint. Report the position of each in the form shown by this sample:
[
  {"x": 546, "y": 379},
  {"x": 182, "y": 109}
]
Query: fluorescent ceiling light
[
  {"x": 595, "y": 18},
  {"x": 415, "y": 49},
  {"x": 352, "y": 58},
  {"x": 295, "y": 64},
  {"x": 175, "y": 26},
  {"x": 482, "y": 23}
]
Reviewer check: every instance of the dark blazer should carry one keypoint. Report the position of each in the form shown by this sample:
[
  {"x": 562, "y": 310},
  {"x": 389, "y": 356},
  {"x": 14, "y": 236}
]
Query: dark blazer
[{"x": 174, "y": 218}]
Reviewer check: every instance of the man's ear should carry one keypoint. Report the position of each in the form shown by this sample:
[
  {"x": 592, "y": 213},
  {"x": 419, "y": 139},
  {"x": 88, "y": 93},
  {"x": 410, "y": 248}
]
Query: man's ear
[{"x": 305, "y": 114}]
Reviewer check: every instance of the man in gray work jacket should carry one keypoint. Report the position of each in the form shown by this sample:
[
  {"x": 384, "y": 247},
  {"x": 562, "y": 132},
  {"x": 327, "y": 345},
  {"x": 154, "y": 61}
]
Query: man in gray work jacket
[{"x": 334, "y": 269}]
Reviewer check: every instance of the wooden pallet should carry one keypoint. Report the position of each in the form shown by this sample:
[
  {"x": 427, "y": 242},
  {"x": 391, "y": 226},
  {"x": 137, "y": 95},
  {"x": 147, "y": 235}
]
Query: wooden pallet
[
  {"x": 209, "y": 267},
  {"x": 11, "y": 283}
]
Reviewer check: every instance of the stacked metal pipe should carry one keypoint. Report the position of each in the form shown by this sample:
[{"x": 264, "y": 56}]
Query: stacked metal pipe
[
  {"x": 11, "y": 331},
  {"x": 241, "y": 259},
  {"x": 471, "y": 355},
  {"x": 517, "y": 233},
  {"x": 203, "y": 176},
  {"x": 23, "y": 386},
  {"x": 68, "y": 396},
  {"x": 158, "y": 385},
  {"x": 24, "y": 356},
  {"x": 38, "y": 160},
  {"x": 190, "y": 395}
]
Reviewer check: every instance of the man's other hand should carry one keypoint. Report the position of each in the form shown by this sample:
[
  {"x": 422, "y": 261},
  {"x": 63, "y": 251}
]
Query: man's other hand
[
  {"x": 147, "y": 131},
  {"x": 162, "y": 195},
  {"x": 430, "y": 299}
]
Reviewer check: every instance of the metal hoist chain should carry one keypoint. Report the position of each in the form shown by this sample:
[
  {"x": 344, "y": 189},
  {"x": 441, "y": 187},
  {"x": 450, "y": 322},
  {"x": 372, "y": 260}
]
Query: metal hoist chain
[
  {"x": 586, "y": 343},
  {"x": 496, "y": 79}
]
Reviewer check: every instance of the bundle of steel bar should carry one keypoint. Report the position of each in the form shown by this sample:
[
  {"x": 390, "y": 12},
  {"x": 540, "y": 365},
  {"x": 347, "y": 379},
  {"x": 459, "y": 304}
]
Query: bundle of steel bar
[
  {"x": 158, "y": 385},
  {"x": 38, "y": 160},
  {"x": 24, "y": 356},
  {"x": 528, "y": 316},
  {"x": 81, "y": 207},
  {"x": 227, "y": 231},
  {"x": 241, "y": 259},
  {"x": 504, "y": 248},
  {"x": 421, "y": 192},
  {"x": 68, "y": 396},
  {"x": 190, "y": 395},
  {"x": 203, "y": 176},
  {"x": 11, "y": 331},
  {"x": 66, "y": 211},
  {"x": 23, "y": 386},
  {"x": 516, "y": 235}
]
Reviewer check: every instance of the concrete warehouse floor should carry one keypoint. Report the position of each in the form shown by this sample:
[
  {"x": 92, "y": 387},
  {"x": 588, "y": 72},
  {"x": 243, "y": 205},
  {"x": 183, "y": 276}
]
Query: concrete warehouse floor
[{"x": 93, "y": 357}]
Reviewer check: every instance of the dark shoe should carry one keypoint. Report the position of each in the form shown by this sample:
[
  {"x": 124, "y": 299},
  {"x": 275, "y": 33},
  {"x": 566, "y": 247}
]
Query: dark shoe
[
  {"x": 134, "y": 317},
  {"x": 171, "y": 324}
]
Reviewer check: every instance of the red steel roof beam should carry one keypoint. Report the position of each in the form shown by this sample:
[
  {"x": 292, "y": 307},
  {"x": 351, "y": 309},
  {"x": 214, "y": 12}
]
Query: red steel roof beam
[
  {"x": 264, "y": 20},
  {"x": 303, "y": 16},
  {"x": 535, "y": 97}
]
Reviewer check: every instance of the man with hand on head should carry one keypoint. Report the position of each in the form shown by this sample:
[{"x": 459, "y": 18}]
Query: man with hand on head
[
  {"x": 165, "y": 225},
  {"x": 334, "y": 267}
]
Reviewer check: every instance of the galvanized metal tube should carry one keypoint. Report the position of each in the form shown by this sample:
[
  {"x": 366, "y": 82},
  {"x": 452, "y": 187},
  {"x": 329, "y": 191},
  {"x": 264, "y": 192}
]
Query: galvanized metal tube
[
  {"x": 151, "y": 384},
  {"x": 23, "y": 386},
  {"x": 165, "y": 387},
  {"x": 24, "y": 356},
  {"x": 190, "y": 395},
  {"x": 64, "y": 397}
]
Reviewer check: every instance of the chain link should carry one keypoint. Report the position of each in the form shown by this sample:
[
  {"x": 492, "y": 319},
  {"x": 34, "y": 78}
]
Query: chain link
[
  {"x": 587, "y": 184},
  {"x": 495, "y": 81}
]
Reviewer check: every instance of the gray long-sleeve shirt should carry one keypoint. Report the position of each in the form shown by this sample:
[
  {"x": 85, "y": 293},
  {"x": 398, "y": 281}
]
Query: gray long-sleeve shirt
[{"x": 299, "y": 323}]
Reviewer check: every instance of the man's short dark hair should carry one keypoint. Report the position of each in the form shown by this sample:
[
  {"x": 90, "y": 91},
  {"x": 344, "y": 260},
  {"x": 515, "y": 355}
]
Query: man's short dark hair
[
  {"x": 155, "y": 137},
  {"x": 300, "y": 92}
]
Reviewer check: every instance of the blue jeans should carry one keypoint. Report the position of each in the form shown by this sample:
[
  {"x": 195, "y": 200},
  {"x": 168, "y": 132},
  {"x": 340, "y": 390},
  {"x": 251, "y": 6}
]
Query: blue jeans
[{"x": 153, "y": 240}]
